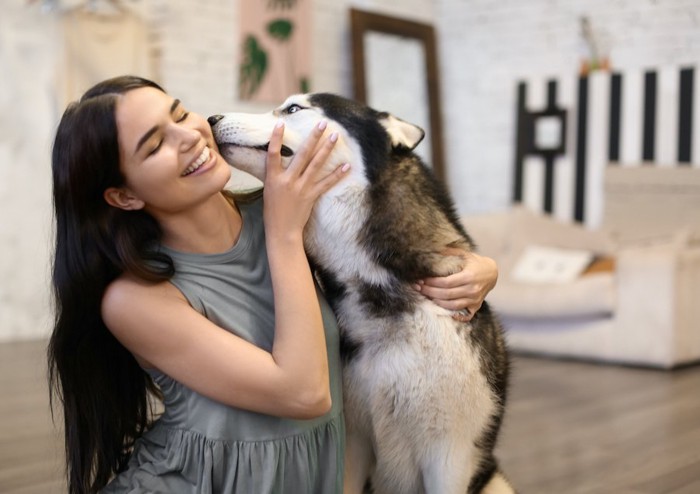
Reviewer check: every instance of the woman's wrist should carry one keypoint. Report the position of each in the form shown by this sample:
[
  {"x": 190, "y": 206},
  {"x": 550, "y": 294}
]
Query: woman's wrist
[{"x": 283, "y": 239}]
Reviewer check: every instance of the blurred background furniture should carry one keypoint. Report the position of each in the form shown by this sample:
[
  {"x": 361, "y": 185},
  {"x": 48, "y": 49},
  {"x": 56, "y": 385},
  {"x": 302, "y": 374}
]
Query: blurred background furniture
[{"x": 637, "y": 302}]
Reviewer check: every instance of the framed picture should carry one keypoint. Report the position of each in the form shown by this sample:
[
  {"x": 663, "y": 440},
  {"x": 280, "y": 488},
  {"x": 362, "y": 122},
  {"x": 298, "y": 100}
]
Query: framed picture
[
  {"x": 275, "y": 49},
  {"x": 395, "y": 69}
]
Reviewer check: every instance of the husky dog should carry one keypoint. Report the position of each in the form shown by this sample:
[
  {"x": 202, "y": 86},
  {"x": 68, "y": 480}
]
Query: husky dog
[{"x": 424, "y": 394}]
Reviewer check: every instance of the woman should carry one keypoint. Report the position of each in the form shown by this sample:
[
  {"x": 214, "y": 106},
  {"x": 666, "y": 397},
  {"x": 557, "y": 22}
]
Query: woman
[{"x": 166, "y": 286}]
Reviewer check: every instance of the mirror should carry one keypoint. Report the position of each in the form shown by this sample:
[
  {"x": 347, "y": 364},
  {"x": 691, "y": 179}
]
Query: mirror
[{"x": 395, "y": 70}]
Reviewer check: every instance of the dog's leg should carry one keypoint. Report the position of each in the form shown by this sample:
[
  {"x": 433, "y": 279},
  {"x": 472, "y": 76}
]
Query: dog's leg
[
  {"x": 359, "y": 459},
  {"x": 446, "y": 469}
]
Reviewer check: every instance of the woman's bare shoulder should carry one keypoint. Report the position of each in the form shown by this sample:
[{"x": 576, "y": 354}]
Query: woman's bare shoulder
[
  {"x": 128, "y": 305},
  {"x": 127, "y": 290}
]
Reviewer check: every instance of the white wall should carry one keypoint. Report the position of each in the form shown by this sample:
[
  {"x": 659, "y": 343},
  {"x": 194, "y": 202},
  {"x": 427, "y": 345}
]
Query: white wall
[
  {"x": 27, "y": 119},
  {"x": 485, "y": 46},
  {"x": 199, "y": 46}
]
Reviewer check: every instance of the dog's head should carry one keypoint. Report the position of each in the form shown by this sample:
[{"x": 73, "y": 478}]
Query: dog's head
[{"x": 366, "y": 137}]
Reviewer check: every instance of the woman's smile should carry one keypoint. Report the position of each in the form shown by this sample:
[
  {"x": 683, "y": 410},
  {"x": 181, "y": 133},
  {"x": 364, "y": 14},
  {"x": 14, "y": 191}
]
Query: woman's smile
[{"x": 199, "y": 163}]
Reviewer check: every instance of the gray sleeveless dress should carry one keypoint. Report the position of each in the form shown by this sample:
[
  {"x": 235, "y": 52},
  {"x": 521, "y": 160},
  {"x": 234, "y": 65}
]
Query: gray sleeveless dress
[{"x": 201, "y": 446}]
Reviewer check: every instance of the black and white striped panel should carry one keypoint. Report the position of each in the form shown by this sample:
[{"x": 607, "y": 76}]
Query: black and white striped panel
[{"x": 631, "y": 118}]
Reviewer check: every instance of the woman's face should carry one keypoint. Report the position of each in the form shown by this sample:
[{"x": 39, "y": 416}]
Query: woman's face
[{"x": 168, "y": 156}]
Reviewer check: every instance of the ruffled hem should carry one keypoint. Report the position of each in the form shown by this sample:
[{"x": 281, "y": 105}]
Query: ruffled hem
[{"x": 167, "y": 460}]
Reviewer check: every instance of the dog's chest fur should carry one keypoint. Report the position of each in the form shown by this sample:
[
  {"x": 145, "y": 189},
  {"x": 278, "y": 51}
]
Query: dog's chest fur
[
  {"x": 418, "y": 372},
  {"x": 408, "y": 363}
]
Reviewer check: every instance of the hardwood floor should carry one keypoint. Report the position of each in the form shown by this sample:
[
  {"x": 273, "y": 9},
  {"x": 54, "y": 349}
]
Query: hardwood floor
[
  {"x": 570, "y": 428},
  {"x": 30, "y": 447},
  {"x": 578, "y": 428}
]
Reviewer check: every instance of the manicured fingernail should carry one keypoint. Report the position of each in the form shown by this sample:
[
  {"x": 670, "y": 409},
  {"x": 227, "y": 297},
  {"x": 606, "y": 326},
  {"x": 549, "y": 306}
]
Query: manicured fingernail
[
  {"x": 322, "y": 125},
  {"x": 345, "y": 167},
  {"x": 334, "y": 137},
  {"x": 279, "y": 124}
]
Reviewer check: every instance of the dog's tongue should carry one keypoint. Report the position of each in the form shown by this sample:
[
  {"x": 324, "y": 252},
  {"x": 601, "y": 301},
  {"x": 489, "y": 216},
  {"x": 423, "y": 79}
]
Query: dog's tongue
[{"x": 286, "y": 152}]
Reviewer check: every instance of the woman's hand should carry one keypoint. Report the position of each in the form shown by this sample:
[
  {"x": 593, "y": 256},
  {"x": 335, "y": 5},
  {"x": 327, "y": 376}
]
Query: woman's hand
[
  {"x": 299, "y": 348},
  {"x": 464, "y": 291},
  {"x": 290, "y": 193}
]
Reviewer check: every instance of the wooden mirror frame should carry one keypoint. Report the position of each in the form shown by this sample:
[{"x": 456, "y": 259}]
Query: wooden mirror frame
[{"x": 362, "y": 22}]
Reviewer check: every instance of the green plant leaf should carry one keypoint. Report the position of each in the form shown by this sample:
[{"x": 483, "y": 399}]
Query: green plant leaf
[
  {"x": 252, "y": 69},
  {"x": 280, "y": 29},
  {"x": 304, "y": 85}
]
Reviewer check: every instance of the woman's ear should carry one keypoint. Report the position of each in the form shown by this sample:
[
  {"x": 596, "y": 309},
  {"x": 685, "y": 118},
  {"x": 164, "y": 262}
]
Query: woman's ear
[{"x": 123, "y": 199}]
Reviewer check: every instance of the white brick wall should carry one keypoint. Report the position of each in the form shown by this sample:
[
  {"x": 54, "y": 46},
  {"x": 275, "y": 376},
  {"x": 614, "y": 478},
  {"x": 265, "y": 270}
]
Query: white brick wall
[
  {"x": 485, "y": 46},
  {"x": 200, "y": 48},
  {"x": 27, "y": 120}
]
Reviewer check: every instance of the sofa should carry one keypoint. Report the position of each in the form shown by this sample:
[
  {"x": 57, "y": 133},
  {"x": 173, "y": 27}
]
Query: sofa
[{"x": 631, "y": 293}]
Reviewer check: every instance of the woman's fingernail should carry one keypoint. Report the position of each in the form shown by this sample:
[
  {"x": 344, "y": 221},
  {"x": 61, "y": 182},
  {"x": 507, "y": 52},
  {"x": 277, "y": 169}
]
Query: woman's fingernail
[
  {"x": 416, "y": 287},
  {"x": 279, "y": 124},
  {"x": 345, "y": 167},
  {"x": 334, "y": 137},
  {"x": 322, "y": 125}
]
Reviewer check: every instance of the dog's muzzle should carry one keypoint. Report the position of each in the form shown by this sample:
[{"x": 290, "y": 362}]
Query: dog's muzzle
[
  {"x": 214, "y": 119},
  {"x": 285, "y": 151}
]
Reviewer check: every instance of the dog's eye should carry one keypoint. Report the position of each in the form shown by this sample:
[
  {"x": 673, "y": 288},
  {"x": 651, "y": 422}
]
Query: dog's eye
[{"x": 293, "y": 108}]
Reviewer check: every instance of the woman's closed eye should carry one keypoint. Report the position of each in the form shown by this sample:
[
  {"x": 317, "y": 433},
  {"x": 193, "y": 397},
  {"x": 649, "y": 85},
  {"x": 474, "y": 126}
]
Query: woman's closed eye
[
  {"x": 156, "y": 148},
  {"x": 181, "y": 117}
]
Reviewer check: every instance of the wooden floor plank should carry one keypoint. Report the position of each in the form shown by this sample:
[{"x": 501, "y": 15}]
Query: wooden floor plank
[
  {"x": 582, "y": 428},
  {"x": 570, "y": 428}
]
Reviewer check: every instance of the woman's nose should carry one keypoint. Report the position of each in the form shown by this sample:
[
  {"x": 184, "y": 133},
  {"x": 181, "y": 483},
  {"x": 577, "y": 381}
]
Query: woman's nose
[
  {"x": 187, "y": 136},
  {"x": 214, "y": 119}
]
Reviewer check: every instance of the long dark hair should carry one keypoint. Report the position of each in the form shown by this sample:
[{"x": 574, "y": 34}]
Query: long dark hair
[{"x": 105, "y": 395}]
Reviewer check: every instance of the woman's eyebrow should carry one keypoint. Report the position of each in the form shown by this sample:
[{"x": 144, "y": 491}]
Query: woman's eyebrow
[{"x": 153, "y": 129}]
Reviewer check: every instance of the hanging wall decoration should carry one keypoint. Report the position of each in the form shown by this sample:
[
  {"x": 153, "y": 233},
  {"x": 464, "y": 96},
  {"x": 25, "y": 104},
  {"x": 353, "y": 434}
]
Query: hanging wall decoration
[
  {"x": 571, "y": 129},
  {"x": 275, "y": 48},
  {"x": 101, "y": 41}
]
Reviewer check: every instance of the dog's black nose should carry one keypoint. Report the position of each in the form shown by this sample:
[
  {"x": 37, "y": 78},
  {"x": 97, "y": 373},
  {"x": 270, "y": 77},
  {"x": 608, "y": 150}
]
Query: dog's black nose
[{"x": 213, "y": 119}]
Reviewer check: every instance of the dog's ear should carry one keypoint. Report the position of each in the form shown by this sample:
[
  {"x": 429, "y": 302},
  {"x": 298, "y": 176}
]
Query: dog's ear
[{"x": 402, "y": 133}]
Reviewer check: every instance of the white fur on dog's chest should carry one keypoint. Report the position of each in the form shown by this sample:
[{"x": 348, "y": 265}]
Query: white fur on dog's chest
[
  {"x": 424, "y": 377},
  {"x": 332, "y": 235},
  {"x": 420, "y": 368}
]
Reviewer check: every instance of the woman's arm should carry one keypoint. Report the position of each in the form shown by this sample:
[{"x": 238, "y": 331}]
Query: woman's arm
[
  {"x": 156, "y": 323},
  {"x": 299, "y": 349},
  {"x": 464, "y": 291}
]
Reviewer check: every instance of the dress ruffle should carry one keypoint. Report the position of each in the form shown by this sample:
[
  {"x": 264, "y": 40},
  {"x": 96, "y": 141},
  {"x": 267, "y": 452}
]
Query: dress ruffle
[{"x": 180, "y": 461}]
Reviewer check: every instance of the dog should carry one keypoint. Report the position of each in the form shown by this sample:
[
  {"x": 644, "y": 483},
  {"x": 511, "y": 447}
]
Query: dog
[{"x": 424, "y": 394}]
